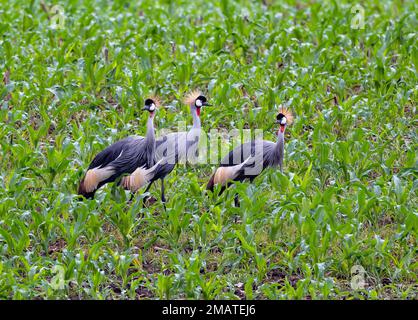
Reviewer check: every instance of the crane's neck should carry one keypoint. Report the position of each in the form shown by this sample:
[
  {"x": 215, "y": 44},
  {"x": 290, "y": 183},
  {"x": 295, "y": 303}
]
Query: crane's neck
[
  {"x": 193, "y": 136},
  {"x": 196, "y": 117},
  {"x": 279, "y": 148},
  {"x": 150, "y": 135},
  {"x": 150, "y": 140}
]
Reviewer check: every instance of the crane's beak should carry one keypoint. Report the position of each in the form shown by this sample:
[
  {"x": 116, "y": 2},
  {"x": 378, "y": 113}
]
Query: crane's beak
[
  {"x": 206, "y": 104},
  {"x": 145, "y": 108}
]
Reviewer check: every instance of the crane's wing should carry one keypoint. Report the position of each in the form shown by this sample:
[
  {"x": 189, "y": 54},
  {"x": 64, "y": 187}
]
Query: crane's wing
[
  {"x": 247, "y": 160},
  {"x": 135, "y": 155},
  {"x": 257, "y": 153},
  {"x": 172, "y": 146},
  {"x": 162, "y": 168},
  {"x": 109, "y": 154},
  {"x": 110, "y": 164},
  {"x": 243, "y": 151}
]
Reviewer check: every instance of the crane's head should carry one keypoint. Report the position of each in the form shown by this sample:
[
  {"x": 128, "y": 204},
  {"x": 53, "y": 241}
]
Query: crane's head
[
  {"x": 196, "y": 101},
  {"x": 151, "y": 105},
  {"x": 284, "y": 118}
]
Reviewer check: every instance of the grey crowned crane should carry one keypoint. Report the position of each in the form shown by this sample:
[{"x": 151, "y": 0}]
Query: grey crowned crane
[
  {"x": 124, "y": 156},
  {"x": 248, "y": 160},
  {"x": 174, "y": 147}
]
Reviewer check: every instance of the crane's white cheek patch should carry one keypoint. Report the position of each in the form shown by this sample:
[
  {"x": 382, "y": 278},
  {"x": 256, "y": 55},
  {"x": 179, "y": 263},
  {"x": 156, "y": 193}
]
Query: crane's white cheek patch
[
  {"x": 198, "y": 103},
  {"x": 152, "y": 107}
]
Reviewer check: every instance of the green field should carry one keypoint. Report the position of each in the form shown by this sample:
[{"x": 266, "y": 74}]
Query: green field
[{"x": 347, "y": 197}]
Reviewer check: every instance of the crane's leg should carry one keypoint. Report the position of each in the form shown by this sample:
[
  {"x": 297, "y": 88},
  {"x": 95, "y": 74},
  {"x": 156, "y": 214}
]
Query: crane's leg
[
  {"x": 223, "y": 188},
  {"x": 236, "y": 200},
  {"x": 144, "y": 200},
  {"x": 163, "y": 194},
  {"x": 132, "y": 196},
  {"x": 149, "y": 186}
]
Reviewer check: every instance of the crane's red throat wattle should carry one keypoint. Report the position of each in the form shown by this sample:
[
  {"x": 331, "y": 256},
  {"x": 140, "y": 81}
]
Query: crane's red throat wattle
[
  {"x": 198, "y": 112},
  {"x": 282, "y": 127}
]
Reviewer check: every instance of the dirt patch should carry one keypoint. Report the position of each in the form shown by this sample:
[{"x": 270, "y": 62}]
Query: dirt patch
[
  {"x": 385, "y": 220},
  {"x": 56, "y": 246},
  {"x": 239, "y": 290},
  {"x": 277, "y": 276},
  {"x": 151, "y": 268},
  {"x": 143, "y": 292}
]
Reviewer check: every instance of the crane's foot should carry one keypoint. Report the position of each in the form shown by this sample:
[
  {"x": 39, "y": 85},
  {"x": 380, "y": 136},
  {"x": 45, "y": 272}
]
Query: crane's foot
[
  {"x": 164, "y": 201},
  {"x": 144, "y": 201},
  {"x": 131, "y": 199},
  {"x": 148, "y": 201},
  {"x": 236, "y": 201}
]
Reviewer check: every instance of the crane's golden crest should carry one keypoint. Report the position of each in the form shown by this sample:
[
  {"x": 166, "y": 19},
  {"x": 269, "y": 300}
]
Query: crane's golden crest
[
  {"x": 191, "y": 97},
  {"x": 157, "y": 100},
  {"x": 287, "y": 113}
]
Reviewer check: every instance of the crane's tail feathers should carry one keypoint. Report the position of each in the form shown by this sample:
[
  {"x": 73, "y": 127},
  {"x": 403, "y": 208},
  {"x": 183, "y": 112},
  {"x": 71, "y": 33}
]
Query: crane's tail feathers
[
  {"x": 93, "y": 177},
  {"x": 140, "y": 177},
  {"x": 211, "y": 183},
  {"x": 223, "y": 175},
  {"x": 136, "y": 180},
  {"x": 82, "y": 191}
]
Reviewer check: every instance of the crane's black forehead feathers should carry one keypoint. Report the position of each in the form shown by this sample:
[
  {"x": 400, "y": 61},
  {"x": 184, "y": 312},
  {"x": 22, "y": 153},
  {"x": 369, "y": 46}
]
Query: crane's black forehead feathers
[
  {"x": 201, "y": 98},
  {"x": 149, "y": 102},
  {"x": 280, "y": 116}
]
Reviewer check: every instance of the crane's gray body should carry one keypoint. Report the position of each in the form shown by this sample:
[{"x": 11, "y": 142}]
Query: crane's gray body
[
  {"x": 170, "y": 150},
  {"x": 262, "y": 154},
  {"x": 124, "y": 157},
  {"x": 136, "y": 152},
  {"x": 248, "y": 160},
  {"x": 177, "y": 147}
]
